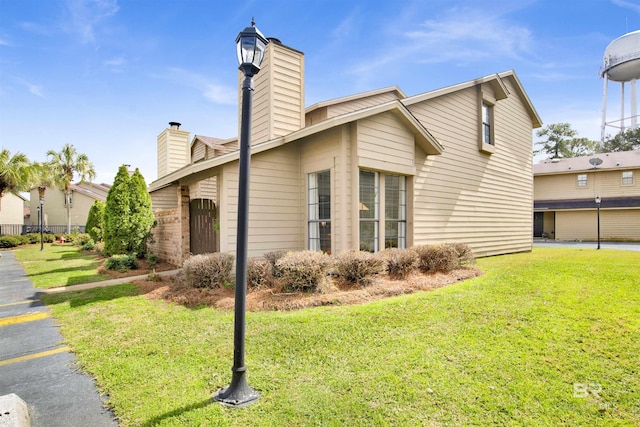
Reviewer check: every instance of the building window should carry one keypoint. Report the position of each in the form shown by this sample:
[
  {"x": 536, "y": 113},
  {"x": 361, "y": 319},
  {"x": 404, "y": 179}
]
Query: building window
[
  {"x": 487, "y": 123},
  {"x": 369, "y": 208},
  {"x": 627, "y": 178},
  {"x": 320, "y": 211},
  {"x": 582, "y": 180},
  {"x": 395, "y": 211}
]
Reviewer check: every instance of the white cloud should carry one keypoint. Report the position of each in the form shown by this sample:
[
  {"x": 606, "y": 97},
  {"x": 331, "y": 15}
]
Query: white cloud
[
  {"x": 460, "y": 35},
  {"x": 627, "y": 4},
  {"x": 213, "y": 91},
  {"x": 116, "y": 65},
  {"x": 86, "y": 15},
  {"x": 34, "y": 89}
]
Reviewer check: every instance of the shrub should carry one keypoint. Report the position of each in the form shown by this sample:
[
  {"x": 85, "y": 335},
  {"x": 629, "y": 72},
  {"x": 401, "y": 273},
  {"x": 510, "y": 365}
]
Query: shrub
[
  {"x": 48, "y": 238},
  {"x": 432, "y": 258},
  {"x": 89, "y": 245},
  {"x": 358, "y": 267},
  {"x": 95, "y": 221},
  {"x": 152, "y": 259},
  {"x": 121, "y": 262},
  {"x": 273, "y": 257},
  {"x": 99, "y": 248},
  {"x": 400, "y": 262},
  {"x": 304, "y": 271},
  {"x": 259, "y": 273},
  {"x": 10, "y": 241},
  {"x": 208, "y": 270},
  {"x": 32, "y": 237},
  {"x": 465, "y": 254},
  {"x": 81, "y": 239}
]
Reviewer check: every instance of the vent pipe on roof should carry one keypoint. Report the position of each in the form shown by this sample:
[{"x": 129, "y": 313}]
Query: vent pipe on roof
[{"x": 174, "y": 125}]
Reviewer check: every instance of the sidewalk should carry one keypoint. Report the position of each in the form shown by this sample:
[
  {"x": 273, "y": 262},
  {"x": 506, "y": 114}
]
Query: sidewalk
[{"x": 35, "y": 364}]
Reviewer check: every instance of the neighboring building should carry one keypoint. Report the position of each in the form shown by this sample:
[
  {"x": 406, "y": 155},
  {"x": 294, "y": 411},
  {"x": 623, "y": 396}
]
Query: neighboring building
[
  {"x": 12, "y": 213},
  {"x": 565, "y": 192},
  {"x": 367, "y": 171},
  {"x": 55, "y": 208}
]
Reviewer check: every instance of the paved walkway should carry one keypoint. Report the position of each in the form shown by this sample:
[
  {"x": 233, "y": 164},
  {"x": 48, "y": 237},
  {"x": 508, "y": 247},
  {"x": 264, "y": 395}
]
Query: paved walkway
[
  {"x": 624, "y": 246},
  {"x": 34, "y": 362}
]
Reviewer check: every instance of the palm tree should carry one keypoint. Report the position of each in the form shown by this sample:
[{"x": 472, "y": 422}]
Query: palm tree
[
  {"x": 15, "y": 173},
  {"x": 42, "y": 177},
  {"x": 64, "y": 165}
]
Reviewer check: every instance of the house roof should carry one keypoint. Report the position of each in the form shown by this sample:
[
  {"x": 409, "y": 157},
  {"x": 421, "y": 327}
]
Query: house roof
[
  {"x": 610, "y": 161},
  {"x": 424, "y": 139},
  {"x": 90, "y": 189},
  {"x": 400, "y": 94},
  {"x": 499, "y": 88},
  {"x": 207, "y": 140}
]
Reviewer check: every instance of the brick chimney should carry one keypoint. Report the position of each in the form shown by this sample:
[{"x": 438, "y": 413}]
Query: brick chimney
[
  {"x": 278, "y": 100},
  {"x": 173, "y": 149}
]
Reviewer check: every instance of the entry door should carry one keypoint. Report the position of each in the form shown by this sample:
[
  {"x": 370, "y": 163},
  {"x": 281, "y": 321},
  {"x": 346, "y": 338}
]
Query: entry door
[
  {"x": 538, "y": 224},
  {"x": 203, "y": 226}
]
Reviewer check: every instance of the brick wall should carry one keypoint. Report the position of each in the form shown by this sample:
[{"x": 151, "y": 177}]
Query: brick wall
[{"x": 171, "y": 235}]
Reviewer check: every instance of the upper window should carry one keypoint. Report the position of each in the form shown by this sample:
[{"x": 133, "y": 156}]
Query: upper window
[
  {"x": 487, "y": 123},
  {"x": 582, "y": 180},
  {"x": 320, "y": 211},
  {"x": 627, "y": 178}
]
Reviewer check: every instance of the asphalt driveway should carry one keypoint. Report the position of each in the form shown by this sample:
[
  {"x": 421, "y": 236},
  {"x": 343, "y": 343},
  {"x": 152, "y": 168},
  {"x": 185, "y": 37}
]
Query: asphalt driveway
[
  {"x": 35, "y": 364},
  {"x": 624, "y": 246}
]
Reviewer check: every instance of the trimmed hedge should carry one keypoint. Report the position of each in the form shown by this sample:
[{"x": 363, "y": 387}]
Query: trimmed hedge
[
  {"x": 358, "y": 267},
  {"x": 208, "y": 270},
  {"x": 304, "y": 271}
]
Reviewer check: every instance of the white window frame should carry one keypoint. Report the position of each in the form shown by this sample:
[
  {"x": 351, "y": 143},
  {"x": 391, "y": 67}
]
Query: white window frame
[
  {"x": 627, "y": 177},
  {"x": 583, "y": 180}
]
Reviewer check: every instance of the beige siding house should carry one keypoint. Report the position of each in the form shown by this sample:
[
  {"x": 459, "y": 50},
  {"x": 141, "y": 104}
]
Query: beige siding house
[
  {"x": 55, "y": 210},
  {"x": 12, "y": 213},
  {"x": 565, "y": 192},
  {"x": 368, "y": 171}
]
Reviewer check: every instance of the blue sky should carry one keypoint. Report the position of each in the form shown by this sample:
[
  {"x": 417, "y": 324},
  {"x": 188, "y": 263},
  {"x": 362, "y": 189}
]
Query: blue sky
[{"x": 108, "y": 75}]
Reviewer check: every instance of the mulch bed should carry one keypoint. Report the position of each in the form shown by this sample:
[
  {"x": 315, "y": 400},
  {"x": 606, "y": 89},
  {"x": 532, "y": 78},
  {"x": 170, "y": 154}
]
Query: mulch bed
[{"x": 170, "y": 289}]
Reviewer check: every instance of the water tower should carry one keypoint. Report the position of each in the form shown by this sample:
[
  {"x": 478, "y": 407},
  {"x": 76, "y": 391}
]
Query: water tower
[{"x": 621, "y": 64}]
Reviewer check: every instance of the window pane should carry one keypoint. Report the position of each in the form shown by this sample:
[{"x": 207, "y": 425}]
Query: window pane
[
  {"x": 582, "y": 180},
  {"x": 368, "y": 195},
  {"x": 368, "y": 236},
  {"x": 368, "y": 208},
  {"x": 395, "y": 211},
  {"x": 320, "y": 211}
]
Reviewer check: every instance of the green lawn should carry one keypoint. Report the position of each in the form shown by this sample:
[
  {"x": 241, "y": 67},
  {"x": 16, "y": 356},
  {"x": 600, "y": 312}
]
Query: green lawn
[
  {"x": 58, "y": 265},
  {"x": 546, "y": 338}
]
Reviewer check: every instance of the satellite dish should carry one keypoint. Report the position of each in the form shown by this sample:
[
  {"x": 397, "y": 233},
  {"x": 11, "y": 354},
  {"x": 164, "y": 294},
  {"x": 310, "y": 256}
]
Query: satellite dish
[{"x": 595, "y": 161}]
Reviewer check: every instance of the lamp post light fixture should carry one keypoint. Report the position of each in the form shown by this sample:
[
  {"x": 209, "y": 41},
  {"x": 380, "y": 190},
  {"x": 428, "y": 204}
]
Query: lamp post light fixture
[
  {"x": 251, "y": 46},
  {"x": 598, "y": 201}
]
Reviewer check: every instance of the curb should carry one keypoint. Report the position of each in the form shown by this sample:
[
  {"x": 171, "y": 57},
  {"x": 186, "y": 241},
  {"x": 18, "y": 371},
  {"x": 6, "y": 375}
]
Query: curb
[
  {"x": 13, "y": 411},
  {"x": 104, "y": 283}
]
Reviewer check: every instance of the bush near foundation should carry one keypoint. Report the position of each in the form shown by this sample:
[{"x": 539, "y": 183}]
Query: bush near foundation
[
  {"x": 356, "y": 267},
  {"x": 259, "y": 273},
  {"x": 208, "y": 270},
  {"x": 400, "y": 262},
  {"x": 273, "y": 258},
  {"x": 443, "y": 258},
  {"x": 304, "y": 271}
]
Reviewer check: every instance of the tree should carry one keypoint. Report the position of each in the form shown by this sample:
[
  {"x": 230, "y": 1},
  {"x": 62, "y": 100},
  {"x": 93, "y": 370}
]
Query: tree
[
  {"x": 15, "y": 173},
  {"x": 42, "y": 177},
  {"x": 95, "y": 221},
  {"x": 64, "y": 166},
  {"x": 627, "y": 140},
  {"x": 142, "y": 218},
  {"x": 561, "y": 141},
  {"x": 117, "y": 214}
]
